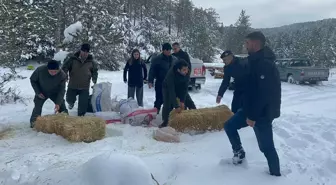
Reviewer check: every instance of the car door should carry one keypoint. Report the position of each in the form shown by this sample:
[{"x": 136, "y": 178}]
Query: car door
[{"x": 280, "y": 66}]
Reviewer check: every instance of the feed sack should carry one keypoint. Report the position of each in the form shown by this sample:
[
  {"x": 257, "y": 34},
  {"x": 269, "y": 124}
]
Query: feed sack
[
  {"x": 200, "y": 120},
  {"x": 109, "y": 117},
  {"x": 72, "y": 128},
  {"x": 127, "y": 106},
  {"x": 115, "y": 104},
  {"x": 101, "y": 97},
  {"x": 140, "y": 117},
  {"x": 166, "y": 134}
]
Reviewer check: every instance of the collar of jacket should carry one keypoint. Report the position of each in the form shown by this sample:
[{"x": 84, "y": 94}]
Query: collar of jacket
[
  {"x": 265, "y": 53},
  {"x": 88, "y": 59}
]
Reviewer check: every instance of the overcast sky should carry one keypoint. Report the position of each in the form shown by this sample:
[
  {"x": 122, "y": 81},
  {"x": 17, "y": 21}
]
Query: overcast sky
[{"x": 271, "y": 13}]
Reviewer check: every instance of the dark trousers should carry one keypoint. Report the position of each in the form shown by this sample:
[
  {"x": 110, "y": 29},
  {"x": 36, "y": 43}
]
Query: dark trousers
[
  {"x": 167, "y": 108},
  {"x": 139, "y": 94},
  {"x": 83, "y": 98},
  {"x": 38, "y": 105},
  {"x": 264, "y": 133},
  {"x": 189, "y": 103},
  {"x": 237, "y": 101},
  {"x": 158, "y": 97}
]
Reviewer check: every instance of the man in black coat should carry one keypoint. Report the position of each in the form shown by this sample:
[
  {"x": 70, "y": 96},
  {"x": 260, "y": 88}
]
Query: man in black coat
[
  {"x": 175, "y": 87},
  {"x": 48, "y": 82},
  {"x": 179, "y": 53},
  {"x": 236, "y": 69},
  {"x": 158, "y": 70},
  {"x": 261, "y": 105}
]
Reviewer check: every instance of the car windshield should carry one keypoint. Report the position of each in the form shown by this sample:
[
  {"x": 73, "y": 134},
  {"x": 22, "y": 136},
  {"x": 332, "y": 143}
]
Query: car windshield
[{"x": 299, "y": 63}]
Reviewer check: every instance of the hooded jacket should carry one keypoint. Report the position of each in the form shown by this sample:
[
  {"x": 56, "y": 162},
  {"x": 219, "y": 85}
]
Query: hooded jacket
[
  {"x": 80, "y": 72},
  {"x": 263, "y": 94}
]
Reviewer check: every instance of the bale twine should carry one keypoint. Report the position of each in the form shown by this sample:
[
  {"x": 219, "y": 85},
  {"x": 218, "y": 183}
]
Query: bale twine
[
  {"x": 73, "y": 128},
  {"x": 200, "y": 120}
]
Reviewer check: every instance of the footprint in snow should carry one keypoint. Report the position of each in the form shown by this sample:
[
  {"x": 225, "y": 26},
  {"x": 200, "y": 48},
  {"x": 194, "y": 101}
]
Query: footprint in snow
[
  {"x": 308, "y": 137},
  {"x": 328, "y": 136},
  {"x": 297, "y": 143},
  {"x": 283, "y": 133}
]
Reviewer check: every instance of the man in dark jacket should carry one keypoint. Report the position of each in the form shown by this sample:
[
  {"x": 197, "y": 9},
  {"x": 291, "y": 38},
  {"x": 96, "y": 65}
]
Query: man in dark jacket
[
  {"x": 48, "y": 81},
  {"x": 179, "y": 53},
  {"x": 261, "y": 104},
  {"x": 81, "y": 68},
  {"x": 236, "y": 69},
  {"x": 175, "y": 87},
  {"x": 137, "y": 73},
  {"x": 158, "y": 70}
]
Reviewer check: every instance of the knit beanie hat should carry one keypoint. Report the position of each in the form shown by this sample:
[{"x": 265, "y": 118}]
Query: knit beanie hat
[
  {"x": 53, "y": 65},
  {"x": 166, "y": 46},
  {"x": 85, "y": 47}
]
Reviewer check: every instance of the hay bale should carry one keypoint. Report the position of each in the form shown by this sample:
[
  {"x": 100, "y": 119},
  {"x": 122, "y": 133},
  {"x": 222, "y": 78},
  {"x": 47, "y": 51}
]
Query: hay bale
[
  {"x": 5, "y": 132},
  {"x": 200, "y": 120},
  {"x": 72, "y": 128}
]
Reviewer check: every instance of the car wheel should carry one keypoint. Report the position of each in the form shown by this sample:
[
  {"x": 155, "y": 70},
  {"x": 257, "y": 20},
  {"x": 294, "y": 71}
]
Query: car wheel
[{"x": 290, "y": 79}]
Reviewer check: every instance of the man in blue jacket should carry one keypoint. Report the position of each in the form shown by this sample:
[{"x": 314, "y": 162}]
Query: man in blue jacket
[
  {"x": 236, "y": 69},
  {"x": 261, "y": 104},
  {"x": 158, "y": 71}
]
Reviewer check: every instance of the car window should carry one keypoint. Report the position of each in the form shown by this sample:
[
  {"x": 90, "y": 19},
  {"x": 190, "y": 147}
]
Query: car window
[
  {"x": 283, "y": 63},
  {"x": 300, "y": 63}
]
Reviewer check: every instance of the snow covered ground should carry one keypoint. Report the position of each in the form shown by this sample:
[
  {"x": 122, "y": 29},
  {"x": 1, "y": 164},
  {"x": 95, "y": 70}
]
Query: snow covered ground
[{"x": 305, "y": 137}]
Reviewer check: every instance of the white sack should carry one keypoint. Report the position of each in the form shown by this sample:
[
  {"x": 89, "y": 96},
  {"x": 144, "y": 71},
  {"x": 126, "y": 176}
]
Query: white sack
[
  {"x": 127, "y": 106},
  {"x": 140, "y": 117},
  {"x": 101, "y": 97},
  {"x": 115, "y": 105},
  {"x": 109, "y": 117}
]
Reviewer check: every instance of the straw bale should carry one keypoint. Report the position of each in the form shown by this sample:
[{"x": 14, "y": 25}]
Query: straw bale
[
  {"x": 200, "y": 120},
  {"x": 6, "y": 132},
  {"x": 72, "y": 128}
]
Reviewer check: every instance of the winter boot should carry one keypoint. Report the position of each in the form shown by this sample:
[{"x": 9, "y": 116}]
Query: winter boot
[
  {"x": 238, "y": 156},
  {"x": 163, "y": 125}
]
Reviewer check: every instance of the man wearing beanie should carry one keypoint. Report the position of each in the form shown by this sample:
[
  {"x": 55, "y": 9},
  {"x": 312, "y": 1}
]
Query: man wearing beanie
[
  {"x": 158, "y": 70},
  {"x": 48, "y": 82},
  {"x": 80, "y": 69}
]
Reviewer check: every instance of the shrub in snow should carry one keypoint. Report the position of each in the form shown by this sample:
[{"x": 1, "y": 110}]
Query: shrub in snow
[
  {"x": 60, "y": 56},
  {"x": 72, "y": 31},
  {"x": 9, "y": 95},
  {"x": 115, "y": 169}
]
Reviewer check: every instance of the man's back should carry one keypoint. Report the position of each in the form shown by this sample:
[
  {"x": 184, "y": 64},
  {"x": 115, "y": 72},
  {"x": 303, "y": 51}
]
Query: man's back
[
  {"x": 47, "y": 84},
  {"x": 264, "y": 86},
  {"x": 183, "y": 55},
  {"x": 160, "y": 67}
]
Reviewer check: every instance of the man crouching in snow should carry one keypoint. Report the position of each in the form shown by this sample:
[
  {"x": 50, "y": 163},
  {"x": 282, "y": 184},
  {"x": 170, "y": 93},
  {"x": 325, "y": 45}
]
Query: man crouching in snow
[
  {"x": 175, "y": 86},
  {"x": 261, "y": 104},
  {"x": 48, "y": 81}
]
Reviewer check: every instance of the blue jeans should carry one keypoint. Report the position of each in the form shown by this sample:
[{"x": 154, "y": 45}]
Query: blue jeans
[{"x": 264, "y": 133}]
